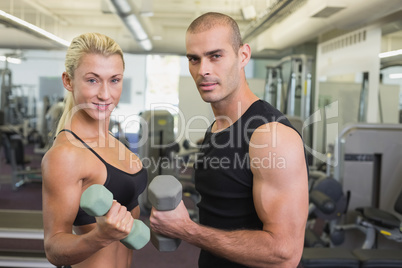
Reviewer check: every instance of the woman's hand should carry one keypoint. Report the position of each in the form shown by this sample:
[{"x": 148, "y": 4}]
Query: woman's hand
[{"x": 116, "y": 224}]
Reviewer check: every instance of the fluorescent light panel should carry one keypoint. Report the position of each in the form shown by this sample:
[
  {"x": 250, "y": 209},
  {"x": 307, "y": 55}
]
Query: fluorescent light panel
[
  {"x": 132, "y": 23},
  {"x": 390, "y": 53},
  {"x": 135, "y": 27},
  {"x": 122, "y": 6},
  {"x": 395, "y": 76},
  {"x": 35, "y": 28},
  {"x": 146, "y": 44},
  {"x": 10, "y": 60}
]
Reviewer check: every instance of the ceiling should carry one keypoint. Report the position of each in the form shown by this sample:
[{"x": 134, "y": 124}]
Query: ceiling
[{"x": 169, "y": 20}]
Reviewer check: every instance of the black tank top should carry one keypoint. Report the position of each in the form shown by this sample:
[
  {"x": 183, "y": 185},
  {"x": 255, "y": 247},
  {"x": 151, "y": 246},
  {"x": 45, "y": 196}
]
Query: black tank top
[
  {"x": 224, "y": 179},
  {"x": 125, "y": 187}
]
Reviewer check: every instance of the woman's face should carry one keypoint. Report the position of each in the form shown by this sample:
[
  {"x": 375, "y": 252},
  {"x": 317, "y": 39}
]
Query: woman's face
[{"x": 97, "y": 84}]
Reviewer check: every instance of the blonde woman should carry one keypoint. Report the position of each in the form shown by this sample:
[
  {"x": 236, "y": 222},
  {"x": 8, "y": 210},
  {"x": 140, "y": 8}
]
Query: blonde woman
[{"x": 85, "y": 153}]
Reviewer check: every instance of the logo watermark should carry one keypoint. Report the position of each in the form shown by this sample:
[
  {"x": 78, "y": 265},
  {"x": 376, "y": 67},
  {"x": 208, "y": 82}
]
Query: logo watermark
[{"x": 156, "y": 131}]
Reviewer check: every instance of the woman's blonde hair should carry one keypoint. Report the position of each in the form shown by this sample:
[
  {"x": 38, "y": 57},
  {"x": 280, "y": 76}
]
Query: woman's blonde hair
[{"x": 88, "y": 43}]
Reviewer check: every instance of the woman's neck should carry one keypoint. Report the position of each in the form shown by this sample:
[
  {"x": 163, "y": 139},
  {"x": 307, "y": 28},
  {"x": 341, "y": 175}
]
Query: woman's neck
[{"x": 88, "y": 127}]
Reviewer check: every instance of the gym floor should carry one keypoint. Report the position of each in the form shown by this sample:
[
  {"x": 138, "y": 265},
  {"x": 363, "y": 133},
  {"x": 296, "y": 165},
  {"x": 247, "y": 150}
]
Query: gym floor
[{"x": 29, "y": 197}]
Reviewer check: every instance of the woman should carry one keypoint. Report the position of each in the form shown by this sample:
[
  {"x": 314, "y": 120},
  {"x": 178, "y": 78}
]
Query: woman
[{"x": 84, "y": 153}]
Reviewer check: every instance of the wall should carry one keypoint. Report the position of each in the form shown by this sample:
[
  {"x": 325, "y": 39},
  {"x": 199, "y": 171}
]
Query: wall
[
  {"x": 50, "y": 64},
  {"x": 352, "y": 53}
]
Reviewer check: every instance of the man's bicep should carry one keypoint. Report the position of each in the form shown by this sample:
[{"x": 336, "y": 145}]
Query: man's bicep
[{"x": 280, "y": 178}]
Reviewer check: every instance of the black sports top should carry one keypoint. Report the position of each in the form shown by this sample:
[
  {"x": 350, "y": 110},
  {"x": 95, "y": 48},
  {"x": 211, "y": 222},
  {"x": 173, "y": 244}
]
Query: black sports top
[
  {"x": 125, "y": 187},
  {"x": 224, "y": 179}
]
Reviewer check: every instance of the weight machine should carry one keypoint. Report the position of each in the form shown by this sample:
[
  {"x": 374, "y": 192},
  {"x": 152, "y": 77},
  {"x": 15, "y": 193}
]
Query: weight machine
[
  {"x": 159, "y": 153},
  {"x": 6, "y": 90},
  {"x": 294, "y": 97}
]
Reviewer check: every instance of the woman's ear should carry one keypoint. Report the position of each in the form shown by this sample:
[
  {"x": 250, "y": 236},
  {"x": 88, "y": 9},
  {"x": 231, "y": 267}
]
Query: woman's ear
[{"x": 67, "y": 83}]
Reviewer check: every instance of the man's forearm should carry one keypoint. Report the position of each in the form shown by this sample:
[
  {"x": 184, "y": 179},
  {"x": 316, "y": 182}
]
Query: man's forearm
[{"x": 253, "y": 248}]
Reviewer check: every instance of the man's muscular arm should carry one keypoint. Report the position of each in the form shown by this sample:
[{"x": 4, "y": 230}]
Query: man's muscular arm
[{"x": 281, "y": 200}]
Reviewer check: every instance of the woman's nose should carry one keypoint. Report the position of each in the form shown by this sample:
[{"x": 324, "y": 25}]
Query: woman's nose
[{"x": 104, "y": 92}]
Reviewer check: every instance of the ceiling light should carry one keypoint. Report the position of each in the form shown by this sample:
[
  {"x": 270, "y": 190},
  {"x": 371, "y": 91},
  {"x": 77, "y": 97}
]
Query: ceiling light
[
  {"x": 122, "y": 6},
  {"x": 10, "y": 59},
  {"x": 32, "y": 28},
  {"x": 395, "y": 76},
  {"x": 249, "y": 12},
  {"x": 132, "y": 23},
  {"x": 147, "y": 8},
  {"x": 135, "y": 27},
  {"x": 326, "y": 8},
  {"x": 146, "y": 44},
  {"x": 390, "y": 53}
]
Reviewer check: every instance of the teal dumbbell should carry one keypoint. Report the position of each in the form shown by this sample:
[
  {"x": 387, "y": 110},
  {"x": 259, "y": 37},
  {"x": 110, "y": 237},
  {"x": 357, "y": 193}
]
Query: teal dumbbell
[
  {"x": 97, "y": 200},
  {"x": 164, "y": 193}
]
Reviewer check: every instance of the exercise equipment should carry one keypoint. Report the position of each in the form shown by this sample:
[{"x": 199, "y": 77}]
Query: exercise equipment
[
  {"x": 345, "y": 258},
  {"x": 372, "y": 220},
  {"x": 293, "y": 98},
  {"x": 367, "y": 158},
  {"x": 288, "y": 87},
  {"x": 327, "y": 205},
  {"x": 329, "y": 258},
  {"x": 22, "y": 224},
  {"x": 379, "y": 258},
  {"x": 14, "y": 151},
  {"x": 164, "y": 193},
  {"x": 161, "y": 154},
  {"x": 156, "y": 134},
  {"x": 97, "y": 200},
  {"x": 5, "y": 92},
  {"x": 24, "y": 259},
  {"x": 367, "y": 163}
]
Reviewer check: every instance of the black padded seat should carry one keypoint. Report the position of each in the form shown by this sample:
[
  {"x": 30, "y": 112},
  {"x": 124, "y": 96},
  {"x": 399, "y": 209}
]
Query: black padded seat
[
  {"x": 380, "y": 217},
  {"x": 312, "y": 240},
  {"x": 379, "y": 258},
  {"x": 329, "y": 258}
]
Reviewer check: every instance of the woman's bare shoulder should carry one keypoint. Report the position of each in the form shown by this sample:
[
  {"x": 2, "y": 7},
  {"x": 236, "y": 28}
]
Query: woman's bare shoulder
[{"x": 66, "y": 156}]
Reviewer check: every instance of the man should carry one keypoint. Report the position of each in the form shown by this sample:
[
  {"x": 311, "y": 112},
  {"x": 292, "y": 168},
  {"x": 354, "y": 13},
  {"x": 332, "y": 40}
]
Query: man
[{"x": 252, "y": 174}]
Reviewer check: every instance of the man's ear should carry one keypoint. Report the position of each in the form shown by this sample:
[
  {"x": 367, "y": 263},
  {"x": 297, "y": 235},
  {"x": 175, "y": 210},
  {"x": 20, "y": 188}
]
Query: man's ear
[
  {"x": 245, "y": 54},
  {"x": 67, "y": 83}
]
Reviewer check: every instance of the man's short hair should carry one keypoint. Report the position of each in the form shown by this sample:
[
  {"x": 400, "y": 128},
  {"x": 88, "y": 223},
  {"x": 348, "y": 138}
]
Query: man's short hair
[{"x": 212, "y": 19}]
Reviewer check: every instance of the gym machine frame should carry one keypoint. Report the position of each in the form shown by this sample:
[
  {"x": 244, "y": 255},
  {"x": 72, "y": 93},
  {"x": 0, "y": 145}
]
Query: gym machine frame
[{"x": 299, "y": 86}]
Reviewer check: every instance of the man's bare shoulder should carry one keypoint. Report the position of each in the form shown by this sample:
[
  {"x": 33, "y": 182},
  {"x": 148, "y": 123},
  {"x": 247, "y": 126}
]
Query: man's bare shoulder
[{"x": 274, "y": 134}]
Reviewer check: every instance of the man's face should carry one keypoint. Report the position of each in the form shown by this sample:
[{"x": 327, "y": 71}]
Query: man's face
[{"x": 213, "y": 63}]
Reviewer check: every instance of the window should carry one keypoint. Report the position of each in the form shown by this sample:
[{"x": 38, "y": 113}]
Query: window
[{"x": 163, "y": 74}]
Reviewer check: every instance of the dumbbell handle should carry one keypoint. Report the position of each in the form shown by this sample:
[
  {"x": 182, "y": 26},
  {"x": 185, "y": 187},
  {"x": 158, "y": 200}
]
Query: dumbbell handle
[
  {"x": 96, "y": 201},
  {"x": 164, "y": 193}
]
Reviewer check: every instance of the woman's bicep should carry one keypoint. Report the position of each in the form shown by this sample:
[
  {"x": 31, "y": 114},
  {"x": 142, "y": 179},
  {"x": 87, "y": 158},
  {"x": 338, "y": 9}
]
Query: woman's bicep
[{"x": 61, "y": 193}]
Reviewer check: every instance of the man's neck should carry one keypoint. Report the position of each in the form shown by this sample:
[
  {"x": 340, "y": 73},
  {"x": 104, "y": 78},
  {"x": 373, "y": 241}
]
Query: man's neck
[{"x": 230, "y": 110}]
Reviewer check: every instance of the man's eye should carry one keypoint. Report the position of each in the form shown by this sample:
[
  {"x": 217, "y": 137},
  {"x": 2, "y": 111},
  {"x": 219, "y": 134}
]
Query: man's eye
[
  {"x": 192, "y": 59},
  {"x": 216, "y": 56}
]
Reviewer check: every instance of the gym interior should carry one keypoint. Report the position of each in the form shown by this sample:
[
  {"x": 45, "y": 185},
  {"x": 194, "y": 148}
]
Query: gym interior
[{"x": 333, "y": 67}]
